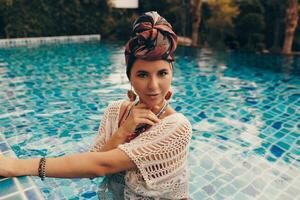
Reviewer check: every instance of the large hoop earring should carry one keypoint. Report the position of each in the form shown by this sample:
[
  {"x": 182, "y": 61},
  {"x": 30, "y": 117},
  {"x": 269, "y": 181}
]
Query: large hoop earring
[{"x": 168, "y": 95}]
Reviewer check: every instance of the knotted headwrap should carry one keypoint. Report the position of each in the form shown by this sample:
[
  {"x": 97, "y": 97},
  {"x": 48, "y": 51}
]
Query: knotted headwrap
[{"x": 152, "y": 39}]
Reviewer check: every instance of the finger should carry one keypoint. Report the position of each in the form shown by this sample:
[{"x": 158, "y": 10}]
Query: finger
[
  {"x": 149, "y": 115},
  {"x": 146, "y": 121},
  {"x": 141, "y": 105}
]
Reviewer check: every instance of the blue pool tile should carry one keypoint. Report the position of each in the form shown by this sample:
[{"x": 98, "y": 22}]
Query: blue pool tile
[
  {"x": 84, "y": 127},
  {"x": 219, "y": 115},
  {"x": 65, "y": 133},
  {"x": 279, "y": 135},
  {"x": 24, "y": 181},
  {"x": 260, "y": 151},
  {"x": 178, "y": 108},
  {"x": 202, "y": 115},
  {"x": 251, "y": 191},
  {"x": 262, "y": 136},
  {"x": 276, "y": 151},
  {"x": 3, "y": 147},
  {"x": 209, "y": 189},
  {"x": 207, "y": 135},
  {"x": 89, "y": 194},
  {"x": 294, "y": 97},
  {"x": 291, "y": 110},
  {"x": 77, "y": 136},
  {"x": 283, "y": 145},
  {"x": 296, "y": 151},
  {"x": 7, "y": 186},
  {"x": 74, "y": 198},
  {"x": 271, "y": 159},
  {"x": 266, "y": 144},
  {"x": 222, "y": 137},
  {"x": 32, "y": 194},
  {"x": 277, "y": 125},
  {"x": 245, "y": 119},
  {"x": 268, "y": 115},
  {"x": 248, "y": 88},
  {"x": 92, "y": 106},
  {"x": 267, "y": 107}
]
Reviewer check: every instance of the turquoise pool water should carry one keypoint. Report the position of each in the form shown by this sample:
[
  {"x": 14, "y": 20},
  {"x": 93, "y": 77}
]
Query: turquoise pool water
[{"x": 244, "y": 109}]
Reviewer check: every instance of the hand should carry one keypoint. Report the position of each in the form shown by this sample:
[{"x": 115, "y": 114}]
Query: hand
[
  {"x": 7, "y": 166},
  {"x": 139, "y": 114}
]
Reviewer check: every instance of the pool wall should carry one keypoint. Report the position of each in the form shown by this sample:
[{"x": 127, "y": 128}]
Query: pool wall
[{"x": 47, "y": 40}]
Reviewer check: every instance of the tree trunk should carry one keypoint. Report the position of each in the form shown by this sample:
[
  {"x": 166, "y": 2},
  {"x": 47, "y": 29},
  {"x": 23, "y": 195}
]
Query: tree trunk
[
  {"x": 196, "y": 22},
  {"x": 291, "y": 25}
]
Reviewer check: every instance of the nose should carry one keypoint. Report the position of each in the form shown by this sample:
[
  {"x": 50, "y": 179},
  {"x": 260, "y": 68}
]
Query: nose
[{"x": 153, "y": 83}]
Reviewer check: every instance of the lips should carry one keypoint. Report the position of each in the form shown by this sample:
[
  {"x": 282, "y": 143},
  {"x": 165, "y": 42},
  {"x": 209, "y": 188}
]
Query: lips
[{"x": 152, "y": 95}]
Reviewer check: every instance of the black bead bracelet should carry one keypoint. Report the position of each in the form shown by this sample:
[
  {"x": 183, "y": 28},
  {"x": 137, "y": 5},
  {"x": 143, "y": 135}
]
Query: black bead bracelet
[{"x": 42, "y": 168}]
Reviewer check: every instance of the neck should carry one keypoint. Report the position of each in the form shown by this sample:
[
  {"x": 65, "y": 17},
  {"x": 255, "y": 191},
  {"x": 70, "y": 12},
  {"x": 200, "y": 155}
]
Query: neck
[{"x": 158, "y": 107}]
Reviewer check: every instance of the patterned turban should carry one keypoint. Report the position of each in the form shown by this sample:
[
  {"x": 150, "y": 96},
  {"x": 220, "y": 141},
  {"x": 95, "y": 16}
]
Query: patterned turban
[{"x": 152, "y": 39}]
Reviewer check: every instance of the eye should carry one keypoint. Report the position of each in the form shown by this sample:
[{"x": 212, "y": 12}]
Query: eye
[
  {"x": 163, "y": 73},
  {"x": 142, "y": 75}
]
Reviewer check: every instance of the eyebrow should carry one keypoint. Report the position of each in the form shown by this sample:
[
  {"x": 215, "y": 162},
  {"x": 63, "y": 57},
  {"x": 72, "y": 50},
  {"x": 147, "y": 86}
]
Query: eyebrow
[{"x": 144, "y": 71}]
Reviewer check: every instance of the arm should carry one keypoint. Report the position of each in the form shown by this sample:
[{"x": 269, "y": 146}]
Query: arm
[
  {"x": 116, "y": 138},
  {"x": 89, "y": 164},
  {"x": 119, "y": 137}
]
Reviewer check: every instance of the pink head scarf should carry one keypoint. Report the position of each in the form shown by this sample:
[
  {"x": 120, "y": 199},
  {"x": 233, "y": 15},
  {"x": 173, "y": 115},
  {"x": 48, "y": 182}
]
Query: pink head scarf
[{"x": 152, "y": 39}]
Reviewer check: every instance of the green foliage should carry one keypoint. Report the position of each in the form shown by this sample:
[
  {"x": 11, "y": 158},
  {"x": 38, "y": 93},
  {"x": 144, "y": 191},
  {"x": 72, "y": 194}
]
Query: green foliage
[
  {"x": 250, "y": 29},
  {"x": 238, "y": 24},
  {"x": 30, "y": 18},
  {"x": 250, "y": 26},
  {"x": 220, "y": 22}
]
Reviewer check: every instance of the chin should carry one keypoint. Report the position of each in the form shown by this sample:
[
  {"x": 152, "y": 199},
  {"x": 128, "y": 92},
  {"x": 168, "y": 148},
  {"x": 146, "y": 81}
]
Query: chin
[{"x": 151, "y": 102}]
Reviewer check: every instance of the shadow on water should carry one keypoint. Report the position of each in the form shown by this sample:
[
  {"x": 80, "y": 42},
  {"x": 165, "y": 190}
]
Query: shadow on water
[{"x": 285, "y": 65}]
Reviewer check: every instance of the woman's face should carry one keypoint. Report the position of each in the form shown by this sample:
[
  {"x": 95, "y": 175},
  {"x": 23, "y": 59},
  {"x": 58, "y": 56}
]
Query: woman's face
[{"x": 151, "y": 80}]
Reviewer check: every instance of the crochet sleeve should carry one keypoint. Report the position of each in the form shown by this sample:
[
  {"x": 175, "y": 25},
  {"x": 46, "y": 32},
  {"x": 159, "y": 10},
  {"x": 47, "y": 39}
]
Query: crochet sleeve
[
  {"x": 161, "y": 152},
  {"x": 107, "y": 125}
]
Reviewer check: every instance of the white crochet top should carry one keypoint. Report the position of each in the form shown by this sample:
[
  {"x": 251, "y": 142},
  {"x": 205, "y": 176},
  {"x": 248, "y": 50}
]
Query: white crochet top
[{"x": 160, "y": 154}]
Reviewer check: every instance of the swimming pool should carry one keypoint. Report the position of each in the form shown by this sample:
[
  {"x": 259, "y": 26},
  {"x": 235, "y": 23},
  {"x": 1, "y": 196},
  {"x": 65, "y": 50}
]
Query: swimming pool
[{"x": 244, "y": 109}]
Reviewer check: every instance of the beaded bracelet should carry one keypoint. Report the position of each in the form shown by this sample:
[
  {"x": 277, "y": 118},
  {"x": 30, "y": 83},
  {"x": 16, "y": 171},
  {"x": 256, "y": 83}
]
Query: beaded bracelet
[{"x": 42, "y": 168}]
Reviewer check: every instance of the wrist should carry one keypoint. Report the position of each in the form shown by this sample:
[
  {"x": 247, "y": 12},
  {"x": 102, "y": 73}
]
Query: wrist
[
  {"x": 123, "y": 132},
  {"x": 16, "y": 167},
  {"x": 27, "y": 167}
]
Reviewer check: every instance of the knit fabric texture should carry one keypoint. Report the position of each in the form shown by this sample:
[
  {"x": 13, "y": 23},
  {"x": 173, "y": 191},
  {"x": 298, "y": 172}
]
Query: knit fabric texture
[{"x": 159, "y": 153}]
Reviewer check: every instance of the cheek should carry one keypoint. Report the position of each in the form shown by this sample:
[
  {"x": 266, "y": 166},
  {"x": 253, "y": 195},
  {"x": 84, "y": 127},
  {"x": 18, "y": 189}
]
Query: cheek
[
  {"x": 166, "y": 84},
  {"x": 138, "y": 85}
]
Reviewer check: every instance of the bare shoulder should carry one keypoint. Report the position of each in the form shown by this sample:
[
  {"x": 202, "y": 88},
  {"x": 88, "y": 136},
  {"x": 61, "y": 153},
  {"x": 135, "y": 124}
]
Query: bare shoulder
[
  {"x": 124, "y": 105},
  {"x": 177, "y": 118},
  {"x": 169, "y": 111}
]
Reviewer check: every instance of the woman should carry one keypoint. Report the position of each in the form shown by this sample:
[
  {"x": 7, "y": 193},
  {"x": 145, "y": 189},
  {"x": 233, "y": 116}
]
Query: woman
[{"x": 142, "y": 145}]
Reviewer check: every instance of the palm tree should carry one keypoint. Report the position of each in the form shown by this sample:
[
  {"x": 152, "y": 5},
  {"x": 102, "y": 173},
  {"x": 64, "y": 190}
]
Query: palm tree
[
  {"x": 196, "y": 21},
  {"x": 291, "y": 25}
]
